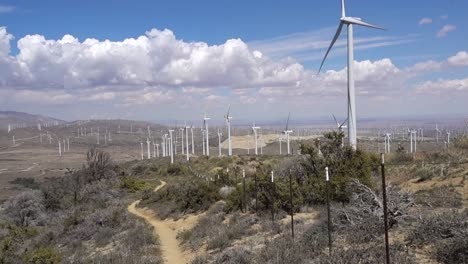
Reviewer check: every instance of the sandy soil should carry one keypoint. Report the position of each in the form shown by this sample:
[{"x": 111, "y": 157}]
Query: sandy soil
[{"x": 166, "y": 230}]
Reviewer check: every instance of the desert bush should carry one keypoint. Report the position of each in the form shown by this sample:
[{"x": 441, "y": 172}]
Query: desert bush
[
  {"x": 30, "y": 183},
  {"x": 443, "y": 196},
  {"x": 132, "y": 184},
  {"x": 424, "y": 174},
  {"x": 282, "y": 250},
  {"x": 15, "y": 241},
  {"x": 43, "y": 255},
  {"x": 373, "y": 253},
  {"x": 26, "y": 209},
  {"x": 453, "y": 250},
  {"x": 236, "y": 255},
  {"x": 200, "y": 260},
  {"x": 436, "y": 228},
  {"x": 344, "y": 164},
  {"x": 98, "y": 165},
  {"x": 184, "y": 197}
]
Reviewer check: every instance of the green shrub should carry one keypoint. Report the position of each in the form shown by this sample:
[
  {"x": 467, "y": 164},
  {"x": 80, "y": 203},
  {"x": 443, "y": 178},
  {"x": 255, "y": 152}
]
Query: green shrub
[
  {"x": 185, "y": 197},
  {"x": 43, "y": 255},
  {"x": 30, "y": 183},
  {"x": 344, "y": 164},
  {"x": 132, "y": 184},
  {"x": 442, "y": 196}
]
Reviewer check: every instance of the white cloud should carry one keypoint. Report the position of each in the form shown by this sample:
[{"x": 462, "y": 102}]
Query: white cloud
[
  {"x": 310, "y": 45},
  {"x": 460, "y": 59},
  {"x": 6, "y": 9},
  {"x": 155, "y": 59},
  {"x": 158, "y": 69},
  {"x": 444, "y": 17},
  {"x": 445, "y": 30},
  {"x": 425, "y": 20},
  {"x": 443, "y": 87}
]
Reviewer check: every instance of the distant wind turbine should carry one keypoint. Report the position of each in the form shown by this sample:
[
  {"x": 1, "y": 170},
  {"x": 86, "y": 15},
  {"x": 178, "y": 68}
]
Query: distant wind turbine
[
  {"x": 207, "y": 135},
  {"x": 170, "y": 146},
  {"x": 349, "y": 22},
  {"x": 254, "y": 130},
  {"x": 219, "y": 142},
  {"x": 287, "y": 131},
  {"x": 340, "y": 128},
  {"x": 228, "y": 122}
]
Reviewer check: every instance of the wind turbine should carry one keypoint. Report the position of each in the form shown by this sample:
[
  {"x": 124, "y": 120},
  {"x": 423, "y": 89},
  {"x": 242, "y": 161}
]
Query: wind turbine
[
  {"x": 340, "y": 128},
  {"x": 203, "y": 140},
  {"x": 219, "y": 142},
  {"x": 182, "y": 139},
  {"x": 148, "y": 148},
  {"x": 207, "y": 135},
  {"x": 193, "y": 146},
  {"x": 279, "y": 140},
  {"x": 387, "y": 142},
  {"x": 349, "y": 22},
  {"x": 254, "y": 130},
  {"x": 228, "y": 122},
  {"x": 141, "y": 148},
  {"x": 186, "y": 142},
  {"x": 287, "y": 131},
  {"x": 170, "y": 146}
]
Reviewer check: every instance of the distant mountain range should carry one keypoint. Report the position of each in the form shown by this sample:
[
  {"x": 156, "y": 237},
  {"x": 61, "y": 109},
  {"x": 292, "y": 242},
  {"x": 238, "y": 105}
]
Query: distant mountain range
[{"x": 20, "y": 118}]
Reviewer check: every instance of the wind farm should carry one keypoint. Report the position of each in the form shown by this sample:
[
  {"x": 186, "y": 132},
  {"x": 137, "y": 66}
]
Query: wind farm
[{"x": 274, "y": 138}]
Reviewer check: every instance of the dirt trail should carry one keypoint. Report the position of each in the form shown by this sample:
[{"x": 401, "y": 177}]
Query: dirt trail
[{"x": 170, "y": 249}]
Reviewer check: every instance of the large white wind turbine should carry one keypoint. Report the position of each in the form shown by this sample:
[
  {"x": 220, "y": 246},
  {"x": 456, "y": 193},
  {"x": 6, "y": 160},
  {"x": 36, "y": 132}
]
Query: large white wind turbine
[
  {"x": 287, "y": 131},
  {"x": 228, "y": 122},
  {"x": 349, "y": 22}
]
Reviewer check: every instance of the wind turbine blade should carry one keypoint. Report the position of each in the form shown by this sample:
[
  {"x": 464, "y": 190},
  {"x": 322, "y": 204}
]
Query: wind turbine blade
[
  {"x": 343, "y": 12},
  {"x": 287, "y": 122},
  {"x": 338, "y": 124},
  {"x": 355, "y": 21},
  {"x": 344, "y": 122},
  {"x": 227, "y": 116},
  {"x": 337, "y": 34}
]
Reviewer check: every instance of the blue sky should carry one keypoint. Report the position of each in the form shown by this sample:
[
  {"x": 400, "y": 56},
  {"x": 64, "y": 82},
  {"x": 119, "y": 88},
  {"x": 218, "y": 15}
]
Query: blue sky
[{"x": 275, "y": 28}]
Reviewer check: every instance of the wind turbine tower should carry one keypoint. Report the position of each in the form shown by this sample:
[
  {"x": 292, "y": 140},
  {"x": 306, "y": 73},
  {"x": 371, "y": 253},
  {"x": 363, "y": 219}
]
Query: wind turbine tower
[
  {"x": 148, "y": 148},
  {"x": 186, "y": 142},
  {"x": 349, "y": 22},
  {"x": 228, "y": 122},
  {"x": 219, "y": 142},
  {"x": 141, "y": 148},
  {"x": 254, "y": 130},
  {"x": 287, "y": 131},
  {"x": 170, "y": 146},
  {"x": 193, "y": 145},
  {"x": 207, "y": 135}
]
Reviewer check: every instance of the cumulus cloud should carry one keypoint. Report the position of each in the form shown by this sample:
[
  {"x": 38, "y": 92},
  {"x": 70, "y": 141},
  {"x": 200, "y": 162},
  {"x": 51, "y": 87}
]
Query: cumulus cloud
[
  {"x": 159, "y": 69},
  {"x": 154, "y": 59},
  {"x": 425, "y": 20},
  {"x": 445, "y": 30},
  {"x": 443, "y": 86},
  {"x": 460, "y": 59}
]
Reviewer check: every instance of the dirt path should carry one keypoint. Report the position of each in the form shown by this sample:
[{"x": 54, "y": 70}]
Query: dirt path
[{"x": 170, "y": 249}]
